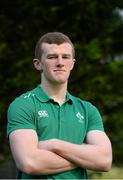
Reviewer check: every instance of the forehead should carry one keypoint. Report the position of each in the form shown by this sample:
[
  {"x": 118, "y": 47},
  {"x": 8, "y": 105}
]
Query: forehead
[{"x": 64, "y": 48}]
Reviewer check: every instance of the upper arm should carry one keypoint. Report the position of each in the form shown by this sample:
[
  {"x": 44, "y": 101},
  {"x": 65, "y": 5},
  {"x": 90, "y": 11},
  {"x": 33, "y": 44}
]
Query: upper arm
[
  {"x": 100, "y": 139},
  {"x": 95, "y": 132},
  {"x": 21, "y": 130},
  {"x": 22, "y": 143}
]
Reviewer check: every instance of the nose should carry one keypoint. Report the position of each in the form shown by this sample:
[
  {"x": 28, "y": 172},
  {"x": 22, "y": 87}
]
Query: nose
[{"x": 60, "y": 61}]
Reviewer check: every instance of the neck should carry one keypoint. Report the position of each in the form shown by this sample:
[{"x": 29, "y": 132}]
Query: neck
[{"x": 56, "y": 91}]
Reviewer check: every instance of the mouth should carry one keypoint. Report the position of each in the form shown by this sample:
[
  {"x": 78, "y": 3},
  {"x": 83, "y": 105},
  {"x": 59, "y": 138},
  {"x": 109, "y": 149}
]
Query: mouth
[{"x": 59, "y": 70}]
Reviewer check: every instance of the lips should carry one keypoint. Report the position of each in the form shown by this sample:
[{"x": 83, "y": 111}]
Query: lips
[{"x": 59, "y": 70}]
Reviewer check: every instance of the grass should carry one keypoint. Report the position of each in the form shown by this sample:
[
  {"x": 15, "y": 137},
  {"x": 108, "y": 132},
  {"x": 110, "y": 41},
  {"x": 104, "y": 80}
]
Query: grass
[{"x": 114, "y": 173}]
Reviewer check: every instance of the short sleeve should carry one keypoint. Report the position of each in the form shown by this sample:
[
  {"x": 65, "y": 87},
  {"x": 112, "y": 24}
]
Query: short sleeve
[
  {"x": 20, "y": 116},
  {"x": 95, "y": 121}
]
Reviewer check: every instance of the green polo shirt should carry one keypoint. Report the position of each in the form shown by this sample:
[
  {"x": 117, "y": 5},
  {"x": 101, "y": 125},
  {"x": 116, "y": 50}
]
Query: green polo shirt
[{"x": 70, "y": 122}]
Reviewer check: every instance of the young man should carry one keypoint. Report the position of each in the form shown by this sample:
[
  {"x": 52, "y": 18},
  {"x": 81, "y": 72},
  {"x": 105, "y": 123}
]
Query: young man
[{"x": 52, "y": 134}]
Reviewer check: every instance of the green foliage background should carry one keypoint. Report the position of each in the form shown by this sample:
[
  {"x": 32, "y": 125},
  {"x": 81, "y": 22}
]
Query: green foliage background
[{"x": 96, "y": 29}]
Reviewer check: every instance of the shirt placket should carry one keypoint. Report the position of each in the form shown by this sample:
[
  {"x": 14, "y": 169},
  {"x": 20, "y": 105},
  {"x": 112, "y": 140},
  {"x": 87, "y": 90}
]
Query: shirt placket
[{"x": 60, "y": 120}]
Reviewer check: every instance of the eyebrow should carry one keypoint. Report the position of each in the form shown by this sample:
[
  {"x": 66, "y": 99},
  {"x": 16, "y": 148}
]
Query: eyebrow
[{"x": 55, "y": 54}]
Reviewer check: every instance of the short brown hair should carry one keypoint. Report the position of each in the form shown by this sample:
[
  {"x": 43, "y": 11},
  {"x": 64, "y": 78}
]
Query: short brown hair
[{"x": 52, "y": 38}]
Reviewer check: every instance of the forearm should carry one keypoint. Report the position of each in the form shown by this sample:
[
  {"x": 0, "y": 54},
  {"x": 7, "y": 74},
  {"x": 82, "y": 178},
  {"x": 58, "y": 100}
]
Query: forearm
[
  {"x": 45, "y": 162},
  {"x": 85, "y": 155},
  {"x": 31, "y": 159}
]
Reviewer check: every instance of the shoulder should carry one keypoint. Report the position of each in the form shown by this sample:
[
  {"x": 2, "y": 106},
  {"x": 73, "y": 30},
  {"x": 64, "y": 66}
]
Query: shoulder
[
  {"x": 93, "y": 115},
  {"x": 25, "y": 100},
  {"x": 21, "y": 113},
  {"x": 86, "y": 104}
]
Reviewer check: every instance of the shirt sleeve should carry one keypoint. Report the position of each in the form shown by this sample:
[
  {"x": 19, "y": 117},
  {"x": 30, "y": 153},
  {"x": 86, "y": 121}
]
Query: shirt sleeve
[
  {"x": 95, "y": 121},
  {"x": 20, "y": 116}
]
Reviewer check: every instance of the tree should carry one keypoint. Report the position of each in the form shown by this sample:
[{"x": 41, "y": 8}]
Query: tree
[{"x": 96, "y": 29}]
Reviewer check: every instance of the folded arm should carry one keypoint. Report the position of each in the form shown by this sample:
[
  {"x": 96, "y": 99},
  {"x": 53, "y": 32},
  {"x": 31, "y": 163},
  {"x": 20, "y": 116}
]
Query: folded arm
[
  {"x": 95, "y": 154},
  {"x": 32, "y": 160}
]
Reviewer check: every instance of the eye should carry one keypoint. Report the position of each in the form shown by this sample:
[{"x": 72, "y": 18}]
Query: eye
[
  {"x": 66, "y": 57},
  {"x": 52, "y": 57}
]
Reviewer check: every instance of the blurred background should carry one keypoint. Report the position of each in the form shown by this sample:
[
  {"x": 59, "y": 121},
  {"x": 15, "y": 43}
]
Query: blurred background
[{"x": 96, "y": 29}]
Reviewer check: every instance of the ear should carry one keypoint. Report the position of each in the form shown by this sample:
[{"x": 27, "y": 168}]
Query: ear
[
  {"x": 72, "y": 65},
  {"x": 37, "y": 64}
]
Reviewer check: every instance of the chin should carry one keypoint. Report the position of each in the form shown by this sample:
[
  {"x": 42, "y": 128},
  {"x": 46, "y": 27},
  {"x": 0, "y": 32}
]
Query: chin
[{"x": 61, "y": 81}]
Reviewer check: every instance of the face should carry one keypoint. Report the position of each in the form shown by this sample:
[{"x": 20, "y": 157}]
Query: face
[{"x": 56, "y": 62}]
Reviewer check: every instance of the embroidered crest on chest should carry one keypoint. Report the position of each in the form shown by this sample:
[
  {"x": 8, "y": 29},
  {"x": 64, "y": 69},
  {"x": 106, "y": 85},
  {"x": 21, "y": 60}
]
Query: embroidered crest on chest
[
  {"x": 43, "y": 113},
  {"x": 80, "y": 117}
]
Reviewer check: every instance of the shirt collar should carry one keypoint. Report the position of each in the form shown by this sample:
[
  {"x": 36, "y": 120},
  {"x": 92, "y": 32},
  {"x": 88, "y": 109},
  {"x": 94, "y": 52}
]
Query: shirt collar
[
  {"x": 43, "y": 97},
  {"x": 69, "y": 98},
  {"x": 40, "y": 94}
]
